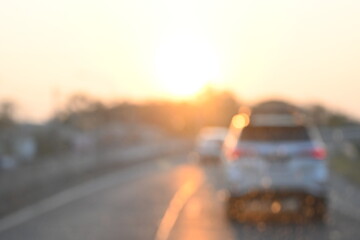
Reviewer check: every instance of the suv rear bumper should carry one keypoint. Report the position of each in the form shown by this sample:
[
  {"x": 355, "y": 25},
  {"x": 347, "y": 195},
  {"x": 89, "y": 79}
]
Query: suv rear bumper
[{"x": 308, "y": 206}]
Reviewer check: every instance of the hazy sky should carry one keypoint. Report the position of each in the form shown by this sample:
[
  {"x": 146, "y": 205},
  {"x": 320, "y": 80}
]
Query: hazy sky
[{"x": 307, "y": 51}]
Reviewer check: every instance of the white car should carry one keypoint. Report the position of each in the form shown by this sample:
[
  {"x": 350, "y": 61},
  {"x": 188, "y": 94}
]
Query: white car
[
  {"x": 209, "y": 144},
  {"x": 275, "y": 168}
]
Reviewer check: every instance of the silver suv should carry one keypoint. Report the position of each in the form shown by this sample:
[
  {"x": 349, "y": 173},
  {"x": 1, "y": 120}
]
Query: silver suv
[{"x": 275, "y": 168}]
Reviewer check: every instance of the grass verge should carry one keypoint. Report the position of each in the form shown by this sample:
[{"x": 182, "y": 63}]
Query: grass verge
[{"x": 346, "y": 167}]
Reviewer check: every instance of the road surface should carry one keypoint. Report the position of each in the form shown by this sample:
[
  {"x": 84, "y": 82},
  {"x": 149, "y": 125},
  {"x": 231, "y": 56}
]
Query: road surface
[{"x": 169, "y": 198}]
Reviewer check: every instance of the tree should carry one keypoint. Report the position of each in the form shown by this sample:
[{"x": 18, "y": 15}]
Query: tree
[
  {"x": 7, "y": 112},
  {"x": 216, "y": 107}
]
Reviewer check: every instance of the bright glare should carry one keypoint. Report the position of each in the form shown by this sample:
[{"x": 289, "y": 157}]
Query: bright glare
[
  {"x": 241, "y": 120},
  {"x": 184, "y": 64}
]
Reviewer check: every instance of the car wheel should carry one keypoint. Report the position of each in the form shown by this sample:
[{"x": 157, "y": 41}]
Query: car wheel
[
  {"x": 320, "y": 210},
  {"x": 233, "y": 209}
]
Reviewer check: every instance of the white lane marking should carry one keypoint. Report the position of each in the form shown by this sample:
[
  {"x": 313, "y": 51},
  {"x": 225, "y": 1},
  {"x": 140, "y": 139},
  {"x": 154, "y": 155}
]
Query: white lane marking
[
  {"x": 177, "y": 203},
  {"x": 72, "y": 194}
]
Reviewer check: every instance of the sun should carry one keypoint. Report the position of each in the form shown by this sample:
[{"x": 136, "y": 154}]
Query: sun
[{"x": 184, "y": 64}]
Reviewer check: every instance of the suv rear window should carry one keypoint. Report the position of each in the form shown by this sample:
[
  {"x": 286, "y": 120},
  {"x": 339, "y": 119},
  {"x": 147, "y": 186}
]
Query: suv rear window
[{"x": 293, "y": 133}]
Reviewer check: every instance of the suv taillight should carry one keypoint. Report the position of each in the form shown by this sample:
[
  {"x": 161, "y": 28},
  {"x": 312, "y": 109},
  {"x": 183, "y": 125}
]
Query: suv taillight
[
  {"x": 238, "y": 153},
  {"x": 318, "y": 153}
]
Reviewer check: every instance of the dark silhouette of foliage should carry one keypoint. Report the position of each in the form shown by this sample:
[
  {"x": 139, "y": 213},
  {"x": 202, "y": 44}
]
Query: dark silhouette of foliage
[{"x": 7, "y": 111}]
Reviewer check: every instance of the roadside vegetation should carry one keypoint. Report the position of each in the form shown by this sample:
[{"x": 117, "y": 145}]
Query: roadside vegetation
[
  {"x": 347, "y": 162},
  {"x": 85, "y": 123}
]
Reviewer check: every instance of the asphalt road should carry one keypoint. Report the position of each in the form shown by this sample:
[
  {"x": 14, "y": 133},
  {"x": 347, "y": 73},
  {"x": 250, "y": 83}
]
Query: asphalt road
[{"x": 166, "y": 199}]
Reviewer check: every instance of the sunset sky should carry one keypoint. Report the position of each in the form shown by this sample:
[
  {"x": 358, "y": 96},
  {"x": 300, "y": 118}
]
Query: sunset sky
[{"x": 306, "y": 51}]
